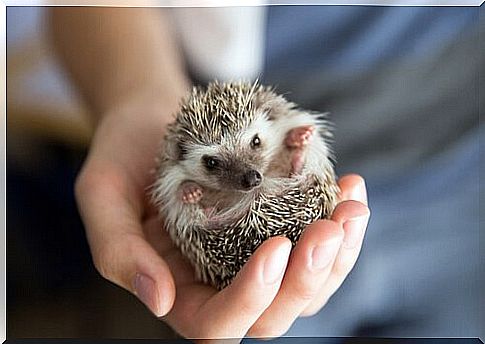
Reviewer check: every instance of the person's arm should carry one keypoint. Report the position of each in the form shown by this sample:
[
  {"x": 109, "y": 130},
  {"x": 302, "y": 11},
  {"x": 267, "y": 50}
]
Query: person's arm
[
  {"x": 116, "y": 53},
  {"x": 126, "y": 64}
]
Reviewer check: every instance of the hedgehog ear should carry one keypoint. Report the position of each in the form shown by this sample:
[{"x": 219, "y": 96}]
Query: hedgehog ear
[
  {"x": 273, "y": 106},
  {"x": 261, "y": 105},
  {"x": 265, "y": 113},
  {"x": 181, "y": 151},
  {"x": 175, "y": 149}
]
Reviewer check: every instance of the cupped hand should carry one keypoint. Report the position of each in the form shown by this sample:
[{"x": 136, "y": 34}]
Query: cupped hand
[{"x": 130, "y": 248}]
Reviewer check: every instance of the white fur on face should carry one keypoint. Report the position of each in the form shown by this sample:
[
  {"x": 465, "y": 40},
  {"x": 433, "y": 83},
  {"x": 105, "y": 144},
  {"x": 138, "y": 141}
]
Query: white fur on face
[
  {"x": 194, "y": 167},
  {"x": 271, "y": 132},
  {"x": 265, "y": 129}
]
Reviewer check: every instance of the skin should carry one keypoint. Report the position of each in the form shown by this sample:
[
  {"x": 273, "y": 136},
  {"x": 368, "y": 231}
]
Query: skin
[
  {"x": 132, "y": 95},
  {"x": 296, "y": 141}
]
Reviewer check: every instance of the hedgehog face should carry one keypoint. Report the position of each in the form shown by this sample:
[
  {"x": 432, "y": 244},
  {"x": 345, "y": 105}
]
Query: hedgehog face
[{"x": 238, "y": 163}]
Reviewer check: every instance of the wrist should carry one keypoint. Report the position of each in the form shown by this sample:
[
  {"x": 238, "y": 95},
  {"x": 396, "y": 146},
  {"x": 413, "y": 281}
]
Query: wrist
[
  {"x": 151, "y": 105},
  {"x": 161, "y": 90}
]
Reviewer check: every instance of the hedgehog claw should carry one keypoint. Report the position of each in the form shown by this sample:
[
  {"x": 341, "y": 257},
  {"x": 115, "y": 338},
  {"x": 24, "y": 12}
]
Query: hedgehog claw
[{"x": 299, "y": 137}]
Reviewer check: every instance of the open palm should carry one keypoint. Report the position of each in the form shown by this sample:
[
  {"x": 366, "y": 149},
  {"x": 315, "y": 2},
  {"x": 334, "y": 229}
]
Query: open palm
[{"x": 130, "y": 248}]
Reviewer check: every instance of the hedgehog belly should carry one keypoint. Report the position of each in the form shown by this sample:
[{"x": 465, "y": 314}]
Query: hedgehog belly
[{"x": 218, "y": 254}]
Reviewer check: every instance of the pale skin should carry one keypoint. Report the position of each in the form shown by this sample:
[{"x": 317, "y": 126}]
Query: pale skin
[{"x": 126, "y": 64}]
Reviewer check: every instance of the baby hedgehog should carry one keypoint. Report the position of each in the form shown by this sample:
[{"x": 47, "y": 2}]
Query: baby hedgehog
[{"x": 241, "y": 164}]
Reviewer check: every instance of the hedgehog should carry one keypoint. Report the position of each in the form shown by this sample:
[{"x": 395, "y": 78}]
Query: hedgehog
[{"x": 238, "y": 165}]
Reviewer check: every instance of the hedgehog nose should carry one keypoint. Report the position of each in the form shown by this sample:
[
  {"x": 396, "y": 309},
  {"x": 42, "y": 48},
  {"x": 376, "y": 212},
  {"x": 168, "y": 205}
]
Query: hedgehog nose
[{"x": 251, "y": 179}]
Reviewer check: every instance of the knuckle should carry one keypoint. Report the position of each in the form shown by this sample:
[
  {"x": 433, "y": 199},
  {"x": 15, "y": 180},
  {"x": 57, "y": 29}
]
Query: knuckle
[
  {"x": 102, "y": 260},
  {"x": 342, "y": 269},
  {"x": 95, "y": 179},
  {"x": 305, "y": 291},
  {"x": 250, "y": 301},
  {"x": 81, "y": 183},
  {"x": 250, "y": 308},
  {"x": 89, "y": 184}
]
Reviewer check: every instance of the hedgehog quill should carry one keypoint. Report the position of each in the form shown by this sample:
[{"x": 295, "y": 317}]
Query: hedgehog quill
[{"x": 241, "y": 164}]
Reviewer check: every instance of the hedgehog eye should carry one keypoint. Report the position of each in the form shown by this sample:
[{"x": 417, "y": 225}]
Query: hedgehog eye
[
  {"x": 210, "y": 162},
  {"x": 256, "y": 141}
]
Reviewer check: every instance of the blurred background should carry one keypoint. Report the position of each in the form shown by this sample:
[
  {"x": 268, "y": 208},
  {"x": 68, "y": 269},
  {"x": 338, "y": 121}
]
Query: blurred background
[
  {"x": 53, "y": 289},
  {"x": 419, "y": 264}
]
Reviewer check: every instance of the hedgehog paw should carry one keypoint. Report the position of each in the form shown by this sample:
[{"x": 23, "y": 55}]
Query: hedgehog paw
[
  {"x": 191, "y": 193},
  {"x": 299, "y": 137},
  {"x": 297, "y": 161}
]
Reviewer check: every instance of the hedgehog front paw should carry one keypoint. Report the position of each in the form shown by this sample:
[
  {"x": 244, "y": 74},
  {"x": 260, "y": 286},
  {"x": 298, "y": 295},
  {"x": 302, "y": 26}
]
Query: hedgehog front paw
[
  {"x": 299, "y": 137},
  {"x": 297, "y": 161},
  {"x": 191, "y": 193}
]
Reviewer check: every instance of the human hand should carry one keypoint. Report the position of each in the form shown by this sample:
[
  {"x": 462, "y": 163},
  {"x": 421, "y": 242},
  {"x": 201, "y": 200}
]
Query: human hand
[
  {"x": 323, "y": 257},
  {"x": 130, "y": 249}
]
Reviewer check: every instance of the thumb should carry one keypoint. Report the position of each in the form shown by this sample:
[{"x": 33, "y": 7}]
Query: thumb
[
  {"x": 131, "y": 262},
  {"x": 119, "y": 249}
]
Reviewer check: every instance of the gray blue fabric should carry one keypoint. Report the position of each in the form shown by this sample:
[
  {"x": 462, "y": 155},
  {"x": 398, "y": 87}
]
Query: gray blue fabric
[
  {"x": 402, "y": 87},
  {"x": 348, "y": 39},
  {"x": 418, "y": 273}
]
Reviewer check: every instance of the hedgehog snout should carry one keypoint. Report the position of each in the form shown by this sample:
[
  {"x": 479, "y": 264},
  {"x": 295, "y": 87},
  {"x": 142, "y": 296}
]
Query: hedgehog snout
[{"x": 251, "y": 179}]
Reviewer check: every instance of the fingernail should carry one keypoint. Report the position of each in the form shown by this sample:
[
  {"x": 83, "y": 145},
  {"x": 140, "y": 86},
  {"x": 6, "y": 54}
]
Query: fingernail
[
  {"x": 146, "y": 291},
  {"x": 275, "y": 265},
  {"x": 359, "y": 192},
  {"x": 353, "y": 231},
  {"x": 322, "y": 255}
]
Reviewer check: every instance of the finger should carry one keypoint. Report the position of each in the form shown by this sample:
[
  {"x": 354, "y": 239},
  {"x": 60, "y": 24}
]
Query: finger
[
  {"x": 231, "y": 312},
  {"x": 310, "y": 264},
  {"x": 120, "y": 252},
  {"x": 353, "y": 217},
  {"x": 353, "y": 187}
]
